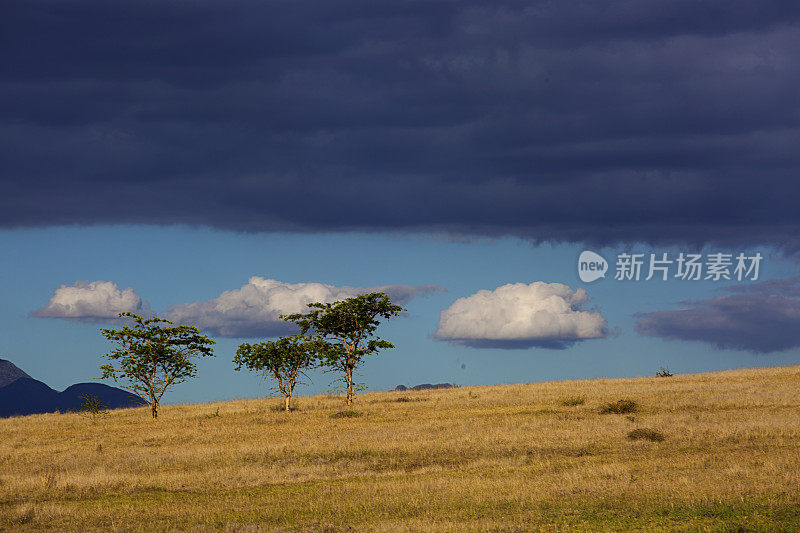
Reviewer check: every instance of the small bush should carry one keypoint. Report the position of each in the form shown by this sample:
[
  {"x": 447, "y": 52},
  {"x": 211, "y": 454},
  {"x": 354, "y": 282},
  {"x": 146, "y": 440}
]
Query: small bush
[
  {"x": 646, "y": 434},
  {"x": 281, "y": 407},
  {"x": 402, "y": 399},
  {"x": 539, "y": 411},
  {"x": 571, "y": 401},
  {"x": 663, "y": 372},
  {"x": 25, "y": 515},
  {"x": 620, "y": 407},
  {"x": 346, "y": 414},
  {"x": 92, "y": 407}
]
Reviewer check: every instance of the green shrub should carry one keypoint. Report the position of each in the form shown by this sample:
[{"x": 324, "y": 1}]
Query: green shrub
[
  {"x": 646, "y": 434},
  {"x": 215, "y": 414},
  {"x": 620, "y": 407},
  {"x": 281, "y": 407},
  {"x": 92, "y": 407},
  {"x": 571, "y": 401},
  {"x": 346, "y": 414},
  {"x": 402, "y": 399}
]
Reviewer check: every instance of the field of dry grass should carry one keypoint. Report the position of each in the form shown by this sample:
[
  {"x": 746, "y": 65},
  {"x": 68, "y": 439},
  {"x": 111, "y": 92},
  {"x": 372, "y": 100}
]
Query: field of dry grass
[{"x": 509, "y": 458}]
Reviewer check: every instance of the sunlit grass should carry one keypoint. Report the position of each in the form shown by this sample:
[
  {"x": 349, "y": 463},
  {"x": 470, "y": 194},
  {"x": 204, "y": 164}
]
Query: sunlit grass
[{"x": 503, "y": 457}]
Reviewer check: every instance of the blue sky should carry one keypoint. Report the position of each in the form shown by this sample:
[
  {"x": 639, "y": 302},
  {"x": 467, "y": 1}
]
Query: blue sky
[{"x": 170, "y": 265}]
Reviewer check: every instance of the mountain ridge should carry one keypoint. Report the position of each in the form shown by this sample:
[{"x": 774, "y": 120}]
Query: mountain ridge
[
  {"x": 9, "y": 372},
  {"x": 22, "y": 395}
]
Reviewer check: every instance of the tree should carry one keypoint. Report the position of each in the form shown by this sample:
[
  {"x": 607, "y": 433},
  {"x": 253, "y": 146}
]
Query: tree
[
  {"x": 283, "y": 360},
  {"x": 153, "y": 355},
  {"x": 349, "y": 326}
]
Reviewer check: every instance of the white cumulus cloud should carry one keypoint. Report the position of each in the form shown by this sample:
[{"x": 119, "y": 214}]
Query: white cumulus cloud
[
  {"x": 254, "y": 309},
  {"x": 519, "y": 315},
  {"x": 94, "y": 301}
]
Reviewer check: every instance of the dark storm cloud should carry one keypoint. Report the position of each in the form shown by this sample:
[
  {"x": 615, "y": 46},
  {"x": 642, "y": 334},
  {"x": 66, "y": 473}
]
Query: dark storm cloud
[
  {"x": 596, "y": 122},
  {"x": 761, "y": 318}
]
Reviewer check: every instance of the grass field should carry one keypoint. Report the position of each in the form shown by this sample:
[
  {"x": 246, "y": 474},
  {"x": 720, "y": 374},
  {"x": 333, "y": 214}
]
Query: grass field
[{"x": 717, "y": 451}]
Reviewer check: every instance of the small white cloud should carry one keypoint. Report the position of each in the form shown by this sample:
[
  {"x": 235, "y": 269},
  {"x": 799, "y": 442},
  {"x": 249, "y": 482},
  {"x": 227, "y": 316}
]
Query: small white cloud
[
  {"x": 97, "y": 301},
  {"x": 517, "y": 315},
  {"x": 254, "y": 310}
]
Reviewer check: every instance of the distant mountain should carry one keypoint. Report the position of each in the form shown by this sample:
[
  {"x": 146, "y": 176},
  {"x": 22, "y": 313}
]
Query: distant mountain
[
  {"x": 112, "y": 397},
  {"x": 9, "y": 372},
  {"x": 26, "y": 396},
  {"x": 425, "y": 386}
]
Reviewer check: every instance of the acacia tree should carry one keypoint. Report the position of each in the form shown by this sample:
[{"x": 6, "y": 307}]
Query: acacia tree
[
  {"x": 349, "y": 327},
  {"x": 283, "y": 360},
  {"x": 153, "y": 354}
]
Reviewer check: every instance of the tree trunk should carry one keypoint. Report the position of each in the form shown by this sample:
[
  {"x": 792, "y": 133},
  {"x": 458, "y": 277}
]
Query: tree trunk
[
  {"x": 349, "y": 375},
  {"x": 287, "y": 399},
  {"x": 155, "y": 410}
]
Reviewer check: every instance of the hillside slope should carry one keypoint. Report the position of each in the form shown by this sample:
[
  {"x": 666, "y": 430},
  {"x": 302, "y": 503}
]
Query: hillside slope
[
  {"x": 26, "y": 396},
  {"x": 716, "y": 451}
]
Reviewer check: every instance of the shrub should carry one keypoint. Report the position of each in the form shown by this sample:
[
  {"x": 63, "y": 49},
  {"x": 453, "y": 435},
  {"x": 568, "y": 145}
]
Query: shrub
[
  {"x": 663, "y": 372},
  {"x": 571, "y": 401},
  {"x": 620, "y": 407},
  {"x": 215, "y": 414},
  {"x": 92, "y": 407},
  {"x": 346, "y": 414},
  {"x": 402, "y": 399},
  {"x": 646, "y": 434},
  {"x": 281, "y": 407},
  {"x": 25, "y": 515}
]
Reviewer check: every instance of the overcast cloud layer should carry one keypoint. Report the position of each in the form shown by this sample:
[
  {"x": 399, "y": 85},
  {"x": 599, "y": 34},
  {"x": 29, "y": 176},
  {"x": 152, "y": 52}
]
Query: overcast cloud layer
[
  {"x": 650, "y": 120},
  {"x": 761, "y": 318},
  {"x": 544, "y": 315},
  {"x": 254, "y": 309},
  {"x": 98, "y": 301}
]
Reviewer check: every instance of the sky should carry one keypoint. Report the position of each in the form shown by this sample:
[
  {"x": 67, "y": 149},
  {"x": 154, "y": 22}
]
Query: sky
[{"x": 222, "y": 163}]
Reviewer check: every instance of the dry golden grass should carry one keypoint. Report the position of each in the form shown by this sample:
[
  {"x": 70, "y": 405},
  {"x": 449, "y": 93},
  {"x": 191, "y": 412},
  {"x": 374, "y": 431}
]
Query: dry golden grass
[{"x": 511, "y": 458}]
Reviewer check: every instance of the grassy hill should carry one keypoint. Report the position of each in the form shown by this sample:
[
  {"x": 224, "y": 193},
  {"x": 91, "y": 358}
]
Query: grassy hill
[{"x": 511, "y": 457}]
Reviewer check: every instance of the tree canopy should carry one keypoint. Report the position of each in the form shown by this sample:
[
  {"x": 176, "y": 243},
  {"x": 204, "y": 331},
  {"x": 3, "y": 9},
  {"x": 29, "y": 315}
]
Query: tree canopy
[
  {"x": 152, "y": 355},
  {"x": 283, "y": 360},
  {"x": 349, "y": 326}
]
